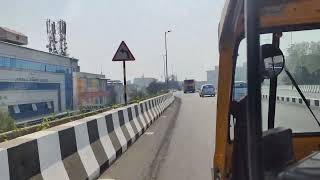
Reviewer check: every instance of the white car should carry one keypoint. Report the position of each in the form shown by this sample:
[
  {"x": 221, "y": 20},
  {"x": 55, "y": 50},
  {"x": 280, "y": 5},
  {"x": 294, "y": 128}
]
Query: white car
[{"x": 207, "y": 90}]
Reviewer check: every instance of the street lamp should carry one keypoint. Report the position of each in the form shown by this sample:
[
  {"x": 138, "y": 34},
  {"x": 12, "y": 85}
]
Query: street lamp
[
  {"x": 164, "y": 68},
  {"x": 165, "y": 44}
]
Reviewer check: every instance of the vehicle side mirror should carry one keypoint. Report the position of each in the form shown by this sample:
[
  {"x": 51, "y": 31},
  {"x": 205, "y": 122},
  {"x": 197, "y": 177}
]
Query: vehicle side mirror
[{"x": 272, "y": 61}]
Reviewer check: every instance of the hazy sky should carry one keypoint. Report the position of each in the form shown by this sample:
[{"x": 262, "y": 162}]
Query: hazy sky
[{"x": 96, "y": 28}]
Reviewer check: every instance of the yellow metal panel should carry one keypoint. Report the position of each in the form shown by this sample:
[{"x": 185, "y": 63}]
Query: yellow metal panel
[
  {"x": 224, "y": 86},
  {"x": 304, "y": 146},
  {"x": 292, "y": 13}
]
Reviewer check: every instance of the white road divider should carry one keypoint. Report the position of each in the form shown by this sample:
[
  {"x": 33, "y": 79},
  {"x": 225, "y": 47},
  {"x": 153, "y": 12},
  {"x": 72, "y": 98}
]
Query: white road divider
[
  {"x": 294, "y": 99},
  {"x": 81, "y": 149}
]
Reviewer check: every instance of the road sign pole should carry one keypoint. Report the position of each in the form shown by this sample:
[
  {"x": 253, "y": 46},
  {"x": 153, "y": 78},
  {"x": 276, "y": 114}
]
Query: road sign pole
[
  {"x": 123, "y": 54},
  {"x": 125, "y": 83}
]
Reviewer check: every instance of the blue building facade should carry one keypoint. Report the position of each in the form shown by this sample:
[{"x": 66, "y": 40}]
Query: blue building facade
[
  {"x": 30, "y": 74},
  {"x": 27, "y": 65}
]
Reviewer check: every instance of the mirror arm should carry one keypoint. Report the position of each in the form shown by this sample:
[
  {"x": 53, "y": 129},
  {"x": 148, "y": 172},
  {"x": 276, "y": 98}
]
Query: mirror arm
[{"x": 272, "y": 101}]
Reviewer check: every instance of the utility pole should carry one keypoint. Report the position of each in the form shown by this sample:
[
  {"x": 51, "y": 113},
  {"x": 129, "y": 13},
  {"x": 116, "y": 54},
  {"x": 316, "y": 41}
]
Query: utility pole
[
  {"x": 172, "y": 70},
  {"x": 164, "y": 68},
  {"x": 165, "y": 44}
]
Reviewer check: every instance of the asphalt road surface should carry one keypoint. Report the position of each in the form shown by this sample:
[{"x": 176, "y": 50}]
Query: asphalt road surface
[
  {"x": 178, "y": 146},
  {"x": 294, "y": 116}
]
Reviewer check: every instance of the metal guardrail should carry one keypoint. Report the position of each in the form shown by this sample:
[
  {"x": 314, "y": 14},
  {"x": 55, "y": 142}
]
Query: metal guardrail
[
  {"x": 40, "y": 119},
  {"x": 58, "y": 116}
]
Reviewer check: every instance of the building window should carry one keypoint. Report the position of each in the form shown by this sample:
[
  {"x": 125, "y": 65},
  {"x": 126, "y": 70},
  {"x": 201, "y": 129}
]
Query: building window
[
  {"x": 97, "y": 100},
  {"x": 16, "y": 109},
  {"x": 34, "y": 107},
  {"x": 51, "y": 68},
  {"x": 5, "y": 62},
  {"x": 88, "y": 83},
  {"x": 49, "y": 105},
  {"x": 11, "y": 62}
]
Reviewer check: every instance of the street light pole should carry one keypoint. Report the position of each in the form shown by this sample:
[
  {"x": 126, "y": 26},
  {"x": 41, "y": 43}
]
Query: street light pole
[
  {"x": 165, "y": 43},
  {"x": 164, "y": 68}
]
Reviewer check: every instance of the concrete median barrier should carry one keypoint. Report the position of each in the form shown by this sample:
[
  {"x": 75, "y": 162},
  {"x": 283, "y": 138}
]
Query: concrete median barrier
[
  {"x": 80, "y": 149},
  {"x": 296, "y": 100}
]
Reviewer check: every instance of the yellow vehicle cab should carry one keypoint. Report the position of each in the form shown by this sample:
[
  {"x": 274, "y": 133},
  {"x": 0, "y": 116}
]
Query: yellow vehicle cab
[{"x": 268, "y": 44}]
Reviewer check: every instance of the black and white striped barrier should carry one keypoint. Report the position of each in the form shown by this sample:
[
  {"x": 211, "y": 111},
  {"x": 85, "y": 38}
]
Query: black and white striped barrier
[
  {"x": 80, "y": 149},
  {"x": 304, "y": 88},
  {"x": 296, "y": 100},
  {"x": 310, "y": 88}
]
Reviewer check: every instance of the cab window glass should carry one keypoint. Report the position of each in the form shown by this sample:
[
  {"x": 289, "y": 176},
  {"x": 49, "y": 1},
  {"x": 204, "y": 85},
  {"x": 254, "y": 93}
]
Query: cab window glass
[
  {"x": 302, "y": 59},
  {"x": 239, "y": 90}
]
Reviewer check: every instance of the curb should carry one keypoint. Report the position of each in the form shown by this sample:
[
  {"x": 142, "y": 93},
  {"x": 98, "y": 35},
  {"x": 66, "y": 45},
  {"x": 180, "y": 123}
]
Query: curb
[{"x": 81, "y": 149}]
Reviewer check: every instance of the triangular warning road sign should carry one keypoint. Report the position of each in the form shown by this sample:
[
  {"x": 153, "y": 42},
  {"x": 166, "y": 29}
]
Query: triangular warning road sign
[{"x": 123, "y": 53}]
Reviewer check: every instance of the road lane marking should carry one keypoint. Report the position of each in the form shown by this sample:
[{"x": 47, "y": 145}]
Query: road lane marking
[{"x": 149, "y": 133}]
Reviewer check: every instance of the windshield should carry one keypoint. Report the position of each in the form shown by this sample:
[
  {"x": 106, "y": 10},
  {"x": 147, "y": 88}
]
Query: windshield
[{"x": 208, "y": 86}]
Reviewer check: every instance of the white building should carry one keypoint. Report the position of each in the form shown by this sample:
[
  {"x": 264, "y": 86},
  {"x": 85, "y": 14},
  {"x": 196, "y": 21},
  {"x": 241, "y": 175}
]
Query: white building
[{"x": 212, "y": 76}]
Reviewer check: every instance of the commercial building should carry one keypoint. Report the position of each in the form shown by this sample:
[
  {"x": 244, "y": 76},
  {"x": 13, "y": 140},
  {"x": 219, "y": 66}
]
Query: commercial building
[
  {"x": 199, "y": 84},
  {"x": 11, "y": 36},
  {"x": 116, "y": 87},
  {"x": 32, "y": 82},
  {"x": 90, "y": 90},
  {"x": 212, "y": 76}
]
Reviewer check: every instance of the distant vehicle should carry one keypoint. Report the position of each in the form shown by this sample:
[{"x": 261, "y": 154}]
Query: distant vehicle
[
  {"x": 239, "y": 90},
  {"x": 173, "y": 90},
  {"x": 207, "y": 90},
  {"x": 189, "y": 86}
]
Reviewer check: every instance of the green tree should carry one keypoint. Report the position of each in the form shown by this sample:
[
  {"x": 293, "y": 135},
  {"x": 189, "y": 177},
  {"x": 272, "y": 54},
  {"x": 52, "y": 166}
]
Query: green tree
[
  {"x": 156, "y": 87},
  {"x": 302, "y": 75},
  {"x": 6, "y": 122},
  {"x": 302, "y": 60},
  {"x": 135, "y": 93},
  {"x": 295, "y": 52},
  {"x": 315, "y": 48}
]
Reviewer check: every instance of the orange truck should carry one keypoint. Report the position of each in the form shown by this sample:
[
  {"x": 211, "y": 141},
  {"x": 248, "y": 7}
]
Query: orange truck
[{"x": 189, "y": 86}]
